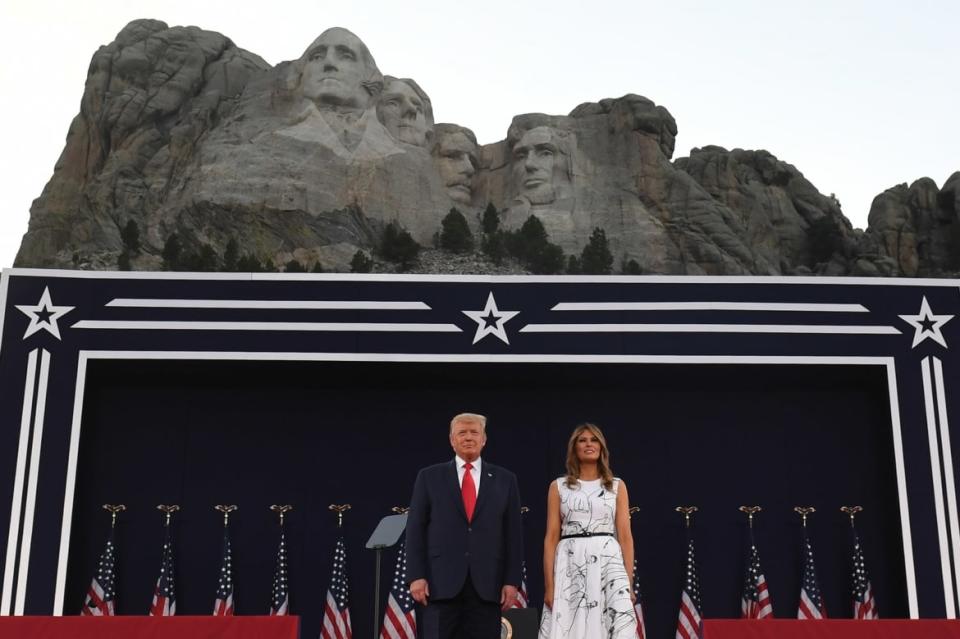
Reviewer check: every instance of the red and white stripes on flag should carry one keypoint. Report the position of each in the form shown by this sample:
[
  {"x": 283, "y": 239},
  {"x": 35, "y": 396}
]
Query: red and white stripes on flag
[
  {"x": 811, "y": 599},
  {"x": 641, "y": 624},
  {"x": 400, "y": 618},
  {"x": 523, "y": 595},
  {"x": 755, "y": 602},
  {"x": 94, "y": 605},
  {"x": 638, "y": 607},
  {"x": 866, "y": 609},
  {"x": 101, "y": 595},
  {"x": 336, "y": 623},
  {"x": 336, "y": 609},
  {"x": 864, "y": 605},
  {"x": 689, "y": 622}
]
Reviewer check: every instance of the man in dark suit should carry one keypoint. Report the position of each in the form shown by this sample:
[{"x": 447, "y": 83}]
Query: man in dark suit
[{"x": 464, "y": 540}]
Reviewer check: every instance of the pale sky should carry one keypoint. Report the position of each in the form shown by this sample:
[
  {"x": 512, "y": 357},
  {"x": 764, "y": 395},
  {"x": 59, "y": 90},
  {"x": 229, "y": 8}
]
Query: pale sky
[{"x": 859, "y": 96}]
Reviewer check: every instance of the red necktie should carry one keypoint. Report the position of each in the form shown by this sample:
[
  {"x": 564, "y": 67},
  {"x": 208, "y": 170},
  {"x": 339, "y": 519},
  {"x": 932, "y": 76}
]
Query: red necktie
[{"x": 469, "y": 491}]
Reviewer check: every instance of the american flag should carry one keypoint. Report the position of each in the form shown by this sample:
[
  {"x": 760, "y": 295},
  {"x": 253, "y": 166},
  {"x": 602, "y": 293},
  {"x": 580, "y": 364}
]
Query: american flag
[
  {"x": 864, "y": 606},
  {"x": 336, "y": 611},
  {"x": 399, "y": 619},
  {"x": 523, "y": 595},
  {"x": 102, "y": 593},
  {"x": 223, "y": 606},
  {"x": 638, "y": 607},
  {"x": 164, "y": 595},
  {"x": 755, "y": 603},
  {"x": 811, "y": 600},
  {"x": 280, "y": 595},
  {"x": 689, "y": 622}
]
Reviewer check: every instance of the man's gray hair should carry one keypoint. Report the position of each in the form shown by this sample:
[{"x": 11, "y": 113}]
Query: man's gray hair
[{"x": 470, "y": 417}]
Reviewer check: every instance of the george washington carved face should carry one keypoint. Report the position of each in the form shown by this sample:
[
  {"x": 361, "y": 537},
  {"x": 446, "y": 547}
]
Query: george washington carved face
[{"x": 339, "y": 72}]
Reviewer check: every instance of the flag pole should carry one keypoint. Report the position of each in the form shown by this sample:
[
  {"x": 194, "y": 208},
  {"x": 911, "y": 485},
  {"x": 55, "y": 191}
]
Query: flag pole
[
  {"x": 280, "y": 591},
  {"x": 378, "y": 553}
]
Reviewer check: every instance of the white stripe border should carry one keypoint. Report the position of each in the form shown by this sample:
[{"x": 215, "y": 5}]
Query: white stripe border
[
  {"x": 363, "y": 305},
  {"x": 887, "y": 361},
  {"x": 711, "y": 306}
]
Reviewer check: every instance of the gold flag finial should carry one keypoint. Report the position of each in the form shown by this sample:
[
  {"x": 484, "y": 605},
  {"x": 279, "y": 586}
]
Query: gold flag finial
[
  {"x": 168, "y": 510},
  {"x": 803, "y": 511},
  {"x": 751, "y": 511},
  {"x": 281, "y": 509},
  {"x": 400, "y": 510},
  {"x": 852, "y": 512},
  {"x": 339, "y": 509},
  {"x": 226, "y": 509},
  {"x": 686, "y": 511},
  {"x": 113, "y": 509}
]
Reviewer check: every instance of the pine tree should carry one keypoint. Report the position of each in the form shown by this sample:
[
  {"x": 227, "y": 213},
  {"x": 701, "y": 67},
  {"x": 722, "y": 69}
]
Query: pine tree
[
  {"x": 294, "y": 266},
  {"x": 495, "y": 246},
  {"x": 491, "y": 219},
  {"x": 399, "y": 246},
  {"x": 455, "y": 234},
  {"x": 171, "y": 253},
  {"x": 230, "y": 256},
  {"x": 130, "y": 235},
  {"x": 361, "y": 263},
  {"x": 532, "y": 247},
  {"x": 596, "y": 258},
  {"x": 248, "y": 263}
]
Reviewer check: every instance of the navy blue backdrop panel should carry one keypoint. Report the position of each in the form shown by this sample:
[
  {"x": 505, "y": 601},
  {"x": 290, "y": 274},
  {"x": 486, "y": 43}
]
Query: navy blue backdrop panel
[
  {"x": 311, "y": 434},
  {"x": 312, "y": 389}
]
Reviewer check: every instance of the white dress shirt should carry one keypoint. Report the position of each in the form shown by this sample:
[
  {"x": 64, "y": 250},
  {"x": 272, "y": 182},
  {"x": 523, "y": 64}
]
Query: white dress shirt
[{"x": 474, "y": 472}]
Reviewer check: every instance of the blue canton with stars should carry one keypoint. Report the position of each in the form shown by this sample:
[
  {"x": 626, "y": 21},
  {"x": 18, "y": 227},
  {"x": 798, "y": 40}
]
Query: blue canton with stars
[{"x": 280, "y": 594}]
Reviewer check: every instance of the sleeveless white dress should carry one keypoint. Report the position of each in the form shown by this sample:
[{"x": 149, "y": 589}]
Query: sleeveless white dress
[{"x": 591, "y": 597}]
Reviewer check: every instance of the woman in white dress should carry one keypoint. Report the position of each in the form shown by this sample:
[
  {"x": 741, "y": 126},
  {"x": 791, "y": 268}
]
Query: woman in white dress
[{"x": 588, "y": 548}]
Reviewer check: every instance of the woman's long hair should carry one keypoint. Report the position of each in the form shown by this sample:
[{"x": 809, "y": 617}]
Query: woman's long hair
[{"x": 573, "y": 462}]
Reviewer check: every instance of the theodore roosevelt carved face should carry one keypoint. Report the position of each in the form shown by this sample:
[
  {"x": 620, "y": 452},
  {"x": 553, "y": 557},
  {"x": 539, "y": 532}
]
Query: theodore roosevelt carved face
[{"x": 455, "y": 154}]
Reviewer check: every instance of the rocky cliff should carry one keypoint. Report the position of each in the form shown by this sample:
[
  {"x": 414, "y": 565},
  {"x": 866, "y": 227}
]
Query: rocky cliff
[{"x": 182, "y": 134}]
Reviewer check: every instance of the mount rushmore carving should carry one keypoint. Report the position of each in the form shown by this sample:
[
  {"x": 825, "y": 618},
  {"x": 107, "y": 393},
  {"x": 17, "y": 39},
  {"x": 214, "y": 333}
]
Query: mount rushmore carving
[{"x": 182, "y": 133}]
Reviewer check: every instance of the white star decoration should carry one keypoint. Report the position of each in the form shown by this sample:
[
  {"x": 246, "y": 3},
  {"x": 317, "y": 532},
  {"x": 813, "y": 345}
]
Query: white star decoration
[
  {"x": 490, "y": 321},
  {"x": 43, "y": 315},
  {"x": 926, "y": 324}
]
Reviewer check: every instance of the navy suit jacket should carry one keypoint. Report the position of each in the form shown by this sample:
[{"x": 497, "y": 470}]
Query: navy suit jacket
[{"x": 443, "y": 547}]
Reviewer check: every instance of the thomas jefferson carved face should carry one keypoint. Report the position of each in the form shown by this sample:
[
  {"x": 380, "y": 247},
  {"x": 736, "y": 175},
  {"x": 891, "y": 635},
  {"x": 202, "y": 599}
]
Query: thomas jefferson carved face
[
  {"x": 337, "y": 71},
  {"x": 404, "y": 113},
  {"x": 456, "y": 159},
  {"x": 537, "y": 165}
]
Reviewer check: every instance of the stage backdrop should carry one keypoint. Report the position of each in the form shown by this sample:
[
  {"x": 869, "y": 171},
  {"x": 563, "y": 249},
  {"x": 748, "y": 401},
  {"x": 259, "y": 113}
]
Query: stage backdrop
[{"x": 314, "y": 390}]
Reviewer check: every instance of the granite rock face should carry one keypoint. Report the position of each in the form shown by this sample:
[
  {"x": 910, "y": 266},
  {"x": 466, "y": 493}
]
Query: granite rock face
[
  {"x": 181, "y": 132},
  {"x": 915, "y": 230}
]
